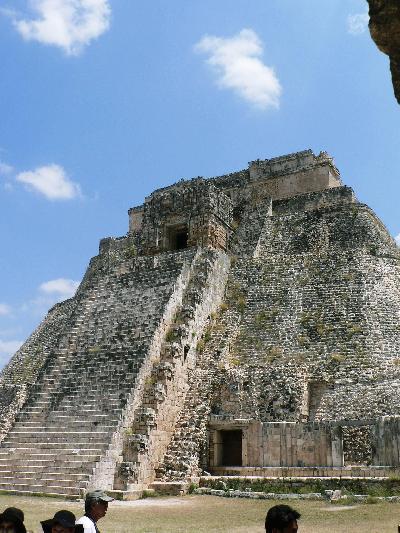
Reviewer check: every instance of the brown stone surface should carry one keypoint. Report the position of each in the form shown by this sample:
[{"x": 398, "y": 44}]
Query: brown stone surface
[{"x": 384, "y": 26}]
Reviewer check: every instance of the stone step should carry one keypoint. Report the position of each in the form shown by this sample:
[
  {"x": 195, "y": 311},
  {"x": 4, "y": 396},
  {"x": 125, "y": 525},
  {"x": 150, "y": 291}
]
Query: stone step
[
  {"x": 85, "y": 425},
  {"x": 101, "y": 402},
  {"x": 60, "y": 431},
  {"x": 80, "y": 383},
  {"x": 72, "y": 462},
  {"x": 116, "y": 391},
  {"x": 101, "y": 397},
  {"x": 43, "y": 395},
  {"x": 91, "y": 412},
  {"x": 40, "y": 446},
  {"x": 40, "y": 488},
  {"x": 54, "y": 401},
  {"x": 48, "y": 480},
  {"x": 64, "y": 417},
  {"x": 119, "y": 364},
  {"x": 57, "y": 419},
  {"x": 102, "y": 389},
  {"x": 29, "y": 493},
  {"x": 66, "y": 403},
  {"x": 84, "y": 469},
  {"x": 48, "y": 439},
  {"x": 56, "y": 436},
  {"x": 88, "y": 402},
  {"x": 46, "y": 458}
]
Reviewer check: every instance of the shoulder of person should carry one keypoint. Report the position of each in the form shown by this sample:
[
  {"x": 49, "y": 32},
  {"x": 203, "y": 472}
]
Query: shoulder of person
[
  {"x": 87, "y": 523},
  {"x": 83, "y": 520}
]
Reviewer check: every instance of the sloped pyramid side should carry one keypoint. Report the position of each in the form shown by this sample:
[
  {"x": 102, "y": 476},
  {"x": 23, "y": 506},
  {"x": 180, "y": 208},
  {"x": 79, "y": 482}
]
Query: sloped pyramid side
[{"x": 84, "y": 362}]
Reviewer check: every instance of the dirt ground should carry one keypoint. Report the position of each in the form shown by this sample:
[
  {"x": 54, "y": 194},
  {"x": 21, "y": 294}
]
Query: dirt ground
[{"x": 201, "y": 514}]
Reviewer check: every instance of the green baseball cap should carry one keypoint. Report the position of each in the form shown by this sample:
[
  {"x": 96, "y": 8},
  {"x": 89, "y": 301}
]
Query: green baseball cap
[{"x": 98, "y": 495}]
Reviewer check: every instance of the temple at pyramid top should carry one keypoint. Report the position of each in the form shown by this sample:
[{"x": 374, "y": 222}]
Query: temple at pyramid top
[{"x": 205, "y": 211}]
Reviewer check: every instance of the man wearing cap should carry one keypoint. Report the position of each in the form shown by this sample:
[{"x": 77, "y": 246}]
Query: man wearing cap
[{"x": 96, "y": 504}]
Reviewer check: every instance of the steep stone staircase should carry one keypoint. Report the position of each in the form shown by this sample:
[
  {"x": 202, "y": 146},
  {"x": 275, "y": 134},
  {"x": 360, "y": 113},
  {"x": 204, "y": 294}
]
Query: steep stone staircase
[
  {"x": 184, "y": 452},
  {"x": 165, "y": 389},
  {"x": 67, "y": 423}
]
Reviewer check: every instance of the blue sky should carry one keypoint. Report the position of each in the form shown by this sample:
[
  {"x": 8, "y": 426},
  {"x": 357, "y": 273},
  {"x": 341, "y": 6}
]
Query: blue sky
[{"x": 102, "y": 101}]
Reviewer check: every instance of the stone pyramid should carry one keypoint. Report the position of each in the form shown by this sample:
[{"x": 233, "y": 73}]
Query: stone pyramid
[{"x": 248, "y": 321}]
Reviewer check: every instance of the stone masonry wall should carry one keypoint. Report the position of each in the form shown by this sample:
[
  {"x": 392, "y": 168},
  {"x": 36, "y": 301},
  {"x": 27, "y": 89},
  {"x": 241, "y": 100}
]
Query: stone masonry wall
[
  {"x": 318, "y": 304},
  {"x": 386, "y": 441},
  {"x": 278, "y": 444}
]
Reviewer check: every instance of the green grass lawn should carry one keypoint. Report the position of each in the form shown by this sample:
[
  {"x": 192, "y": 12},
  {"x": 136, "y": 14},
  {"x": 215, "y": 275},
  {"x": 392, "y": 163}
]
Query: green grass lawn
[{"x": 207, "y": 514}]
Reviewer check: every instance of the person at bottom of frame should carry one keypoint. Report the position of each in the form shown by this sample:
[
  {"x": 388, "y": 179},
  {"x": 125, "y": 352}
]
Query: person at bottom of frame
[
  {"x": 96, "y": 505},
  {"x": 281, "y": 519},
  {"x": 62, "y": 522}
]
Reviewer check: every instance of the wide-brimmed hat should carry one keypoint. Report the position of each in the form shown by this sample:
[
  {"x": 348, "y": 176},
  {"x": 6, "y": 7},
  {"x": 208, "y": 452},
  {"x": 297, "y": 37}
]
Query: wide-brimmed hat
[
  {"x": 13, "y": 515},
  {"x": 65, "y": 519}
]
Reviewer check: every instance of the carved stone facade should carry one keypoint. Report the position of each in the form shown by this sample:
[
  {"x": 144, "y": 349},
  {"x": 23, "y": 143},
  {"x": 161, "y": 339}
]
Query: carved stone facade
[{"x": 195, "y": 214}]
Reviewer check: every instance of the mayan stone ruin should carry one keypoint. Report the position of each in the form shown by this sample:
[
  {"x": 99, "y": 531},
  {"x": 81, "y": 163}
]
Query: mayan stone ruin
[{"x": 247, "y": 324}]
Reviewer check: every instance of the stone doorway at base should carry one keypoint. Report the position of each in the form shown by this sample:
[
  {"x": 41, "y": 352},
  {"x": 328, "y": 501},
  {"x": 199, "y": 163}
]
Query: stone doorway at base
[{"x": 231, "y": 448}]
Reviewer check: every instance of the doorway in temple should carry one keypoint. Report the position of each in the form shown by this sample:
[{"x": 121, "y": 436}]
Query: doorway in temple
[{"x": 231, "y": 448}]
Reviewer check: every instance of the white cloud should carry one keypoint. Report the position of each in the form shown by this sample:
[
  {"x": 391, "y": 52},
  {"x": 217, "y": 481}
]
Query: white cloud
[
  {"x": 39, "y": 306},
  {"x": 51, "y": 181},
  {"x": 357, "y": 23},
  {"x": 4, "y": 309},
  {"x": 397, "y": 239},
  {"x": 237, "y": 63},
  {"x": 9, "y": 347},
  {"x": 5, "y": 169},
  {"x": 50, "y": 293},
  {"x": 63, "y": 288},
  {"x": 68, "y": 24},
  {"x": 8, "y": 186}
]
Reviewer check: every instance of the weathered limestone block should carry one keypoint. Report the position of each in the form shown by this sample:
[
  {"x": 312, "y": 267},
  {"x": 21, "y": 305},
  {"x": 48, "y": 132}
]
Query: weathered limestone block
[
  {"x": 386, "y": 441},
  {"x": 12, "y": 398}
]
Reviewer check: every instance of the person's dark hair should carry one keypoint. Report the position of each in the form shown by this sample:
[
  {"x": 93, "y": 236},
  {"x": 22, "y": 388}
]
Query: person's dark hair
[
  {"x": 9, "y": 515},
  {"x": 279, "y": 517},
  {"x": 16, "y": 512}
]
